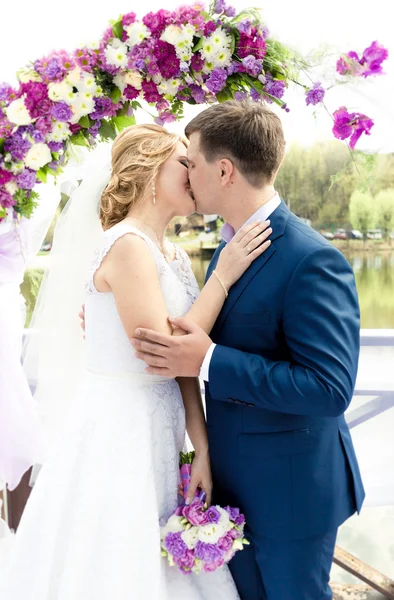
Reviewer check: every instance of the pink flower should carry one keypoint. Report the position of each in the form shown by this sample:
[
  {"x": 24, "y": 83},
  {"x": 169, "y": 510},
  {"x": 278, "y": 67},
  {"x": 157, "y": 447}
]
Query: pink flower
[
  {"x": 5, "y": 176},
  {"x": 226, "y": 542},
  {"x": 351, "y": 125},
  {"x": 128, "y": 19},
  {"x": 209, "y": 567},
  {"x": 195, "y": 514}
]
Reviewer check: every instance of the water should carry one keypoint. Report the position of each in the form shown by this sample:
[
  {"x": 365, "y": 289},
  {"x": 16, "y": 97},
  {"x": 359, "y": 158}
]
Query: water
[{"x": 375, "y": 284}]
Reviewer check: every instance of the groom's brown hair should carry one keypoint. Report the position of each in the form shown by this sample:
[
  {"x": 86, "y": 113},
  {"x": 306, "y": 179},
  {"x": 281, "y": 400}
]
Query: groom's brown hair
[{"x": 245, "y": 132}]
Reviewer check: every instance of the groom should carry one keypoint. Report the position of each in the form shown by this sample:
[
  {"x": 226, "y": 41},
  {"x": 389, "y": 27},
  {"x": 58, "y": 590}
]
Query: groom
[{"x": 279, "y": 367}]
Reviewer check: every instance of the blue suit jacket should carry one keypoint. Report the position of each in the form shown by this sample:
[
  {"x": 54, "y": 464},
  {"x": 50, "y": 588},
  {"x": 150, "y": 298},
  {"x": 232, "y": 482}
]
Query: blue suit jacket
[{"x": 280, "y": 379}]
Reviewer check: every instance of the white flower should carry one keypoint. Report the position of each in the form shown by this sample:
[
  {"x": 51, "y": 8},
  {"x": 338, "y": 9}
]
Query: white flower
[
  {"x": 223, "y": 59},
  {"x": 211, "y": 533},
  {"x": 172, "y": 34},
  {"x": 133, "y": 78},
  {"x": 17, "y": 112},
  {"x": 173, "y": 525},
  {"x": 11, "y": 187},
  {"x": 189, "y": 31},
  {"x": 116, "y": 54},
  {"x": 88, "y": 84},
  {"x": 60, "y": 131},
  {"x": 74, "y": 76},
  {"x": 81, "y": 107},
  {"x": 169, "y": 87},
  {"x": 119, "y": 81},
  {"x": 38, "y": 156},
  {"x": 208, "y": 52},
  {"x": 157, "y": 79},
  {"x": 219, "y": 39},
  {"x": 208, "y": 66},
  {"x": 190, "y": 537},
  {"x": 136, "y": 33},
  {"x": 25, "y": 74},
  {"x": 62, "y": 91},
  {"x": 224, "y": 519}
]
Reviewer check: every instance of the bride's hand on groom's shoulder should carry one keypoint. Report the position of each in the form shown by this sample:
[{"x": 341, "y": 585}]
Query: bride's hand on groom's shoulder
[
  {"x": 201, "y": 477},
  {"x": 247, "y": 244}
]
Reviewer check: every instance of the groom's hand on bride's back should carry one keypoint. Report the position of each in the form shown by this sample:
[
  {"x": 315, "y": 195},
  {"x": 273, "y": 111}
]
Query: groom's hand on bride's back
[{"x": 81, "y": 315}]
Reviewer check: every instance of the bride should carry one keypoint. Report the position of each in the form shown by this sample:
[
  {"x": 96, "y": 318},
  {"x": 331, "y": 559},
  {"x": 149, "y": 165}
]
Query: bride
[{"x": 91, "y": 528}]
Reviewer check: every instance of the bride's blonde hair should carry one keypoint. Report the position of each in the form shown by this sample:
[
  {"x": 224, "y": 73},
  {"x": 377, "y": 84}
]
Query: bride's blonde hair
[{"x": 137, "y": 155}]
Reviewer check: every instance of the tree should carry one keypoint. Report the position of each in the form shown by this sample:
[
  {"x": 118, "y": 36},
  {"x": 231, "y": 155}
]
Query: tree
[
  {"x": 384, "y": 205},
  {"x": 361, "y": 211}
]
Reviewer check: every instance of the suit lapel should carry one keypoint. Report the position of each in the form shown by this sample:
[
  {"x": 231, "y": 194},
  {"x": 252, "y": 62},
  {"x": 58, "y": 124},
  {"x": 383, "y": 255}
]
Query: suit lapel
[{"x": 278, "y": 223}]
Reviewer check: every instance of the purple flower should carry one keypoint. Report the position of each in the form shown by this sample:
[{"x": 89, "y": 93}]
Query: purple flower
[
  {"x": 167, "y": 60},
  {"x": 175, "y": 545},
  {"x": 235, "y": 515},
  {"x": 6, "y": 93},
  {"x": 27, "y": 179},
  {"x": 53, "y": 69},
  {"x": 252, "y": 43},
  {"x": 38, "y": 136},
  {"x": 351, "y": 125},
  {"x": 213, "y": 515},
  {"x": 55, "y": 146},
  {"x": 210, "y": 567},
  {"x": 62, "y": 112},
  {"x": 207, "y": 552},
  {"x": 36, "y": 100},
  {"x": 252, "y": 65},
  {"x": 217, "y": 80},
  {"x": 6, "y": 200},
  {"x": 128, "y": 19},
  {"x": 197, "y": 93},
  {"x": 5, "y": 176},
  {"x": 6, "y": 128},
  {"x": 240, "y": 96},
  {"x": 220, "y": 6},
  {"x": 157, "y": 22},
  {"x": 255, "y": 95},
  {"x": 209, "y": 28},
  {"x": 151, "y": 93},
  {"x": 230, "y": 11},
  {"x": 17, "y": 146},
  {"x": 197, "y": 62},
  {"x": 44, "y": 124},
  {"x": 195, "y": 514},
  {"x": 274, "y": 88},
  {"x": 315, "y": 94},
  {"x": 131, "y": 92},
  {"x": 164, "y": 117},
  {"x": 244, "y": 26},
  {"x": 103, "y": 107},
  {"x": 372, "y": 58},
  {"x": 225, "y": 543},
  {"x": 186, "y": 562}
]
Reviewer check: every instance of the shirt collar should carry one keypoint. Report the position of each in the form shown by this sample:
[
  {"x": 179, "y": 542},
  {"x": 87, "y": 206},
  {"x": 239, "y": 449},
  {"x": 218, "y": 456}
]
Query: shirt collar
[{"x": 227, "y": 231}]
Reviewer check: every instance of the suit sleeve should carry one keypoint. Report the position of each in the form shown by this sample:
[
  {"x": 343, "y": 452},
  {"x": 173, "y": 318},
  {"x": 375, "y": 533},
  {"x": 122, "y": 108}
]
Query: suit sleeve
[{"x": 321, "y": 328}]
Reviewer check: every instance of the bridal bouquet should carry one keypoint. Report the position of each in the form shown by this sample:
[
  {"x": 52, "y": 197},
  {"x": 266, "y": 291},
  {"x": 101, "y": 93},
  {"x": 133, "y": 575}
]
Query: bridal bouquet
[{"x": 197, "y": 537}]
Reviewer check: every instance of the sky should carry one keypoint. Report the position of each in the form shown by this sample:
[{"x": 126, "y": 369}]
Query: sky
[{"x": 32, "y": 29}]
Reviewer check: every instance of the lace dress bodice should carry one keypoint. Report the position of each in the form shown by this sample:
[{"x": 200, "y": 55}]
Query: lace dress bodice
[{"x": 108, "y": 349}]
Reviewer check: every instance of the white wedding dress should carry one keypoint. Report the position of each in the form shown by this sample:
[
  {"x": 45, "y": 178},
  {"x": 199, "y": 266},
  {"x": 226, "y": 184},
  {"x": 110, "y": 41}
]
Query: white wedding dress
[{"x": 90, "y": 530}]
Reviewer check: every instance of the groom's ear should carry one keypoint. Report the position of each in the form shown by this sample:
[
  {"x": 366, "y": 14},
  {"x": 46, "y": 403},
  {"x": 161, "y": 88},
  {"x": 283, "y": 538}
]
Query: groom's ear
[{"x": 226, "y": 171}]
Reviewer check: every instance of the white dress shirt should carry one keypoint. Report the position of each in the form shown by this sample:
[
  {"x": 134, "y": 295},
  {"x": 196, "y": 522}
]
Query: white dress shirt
[{"x": 228, "y": 233}]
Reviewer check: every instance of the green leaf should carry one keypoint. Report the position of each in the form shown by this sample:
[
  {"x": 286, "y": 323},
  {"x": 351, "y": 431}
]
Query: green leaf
[
  {"x": 199, "y": 45},
  {"x": 85, "y": 122},
  {"x": 78, "y": 139},
  {"x": 117, "y": 29},
  {"x": 2, "y": 142},
  {"x": 107, "y": 130},
  {"x": 122, "y": 122},
  {"x": 116, "y": 95},
  {"x": 122, "y": 112},
  {"x": 224, "y": 94},
  {"x": 42, "y": 174},
  {"x": 233, "y": 42},
  {"x": 3, "y": 212}
]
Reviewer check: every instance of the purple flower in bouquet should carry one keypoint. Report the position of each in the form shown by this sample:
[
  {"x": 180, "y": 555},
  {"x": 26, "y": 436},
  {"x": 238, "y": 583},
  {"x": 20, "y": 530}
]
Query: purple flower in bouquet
[
  {"x": 55, "y": 146},
  {"x": 52, "y": 70},
  {"x": 131, "y": 92},
  {"x": 240, "y": 96},
  {"x": 195, "y": 514},
  {"x": 157, "y": 22},
  {"x": 27, "y": 179},
  {"x": 66, "y": 61},
  {"x": 230, "y": 11},
  {"x": 6, "y": 200},
  {"x": 209, "y": 28},
  {"x": 208, "y": 552},
  {"x": 220, "y": 5},
  {"x": 175, "y": 545},
  {"x": 217, "y": 80},
  {"x": 212, "y": 515},
  {"x": 85, "y": 60},
  {"x": 235, "y": 515},
  {"x": 253, "y": 65},
  {"x": 38, "y": 136},
  {"x": 6, "y": 128},
  {"x": 103, "y": 107},
  {"x": 225, "y": 543},
  {"x": 61, "y": 112},
  {"x": 151, "y": 93},
  {"x": 167, "y": 60},
  {"x": 274, "y": 88},
  {"x": 349, "y": 64},
  {"x": 372, "y": 59},
  {"x": 36, "y": 98},
  {"x": 315, "y": 94},
  {"x": 244, "y": 26},
  {"x": 253, "y": 43},
  {"x": 44, "y": 124},
  {"x": 7, "y": 93},
  {"x": 256, "y": 96},
  {"x": 184, "y": 14},
  {"x": 197, "y": 62},
  {"x": 197, "y": 93},
  {"x": 186, "y": 562},
  {"x": 164, "y": 117},
  {"x": 129, "y": 18},
  {"x": 17, "y": 146},
  {"x": 5, "y": 176}
]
